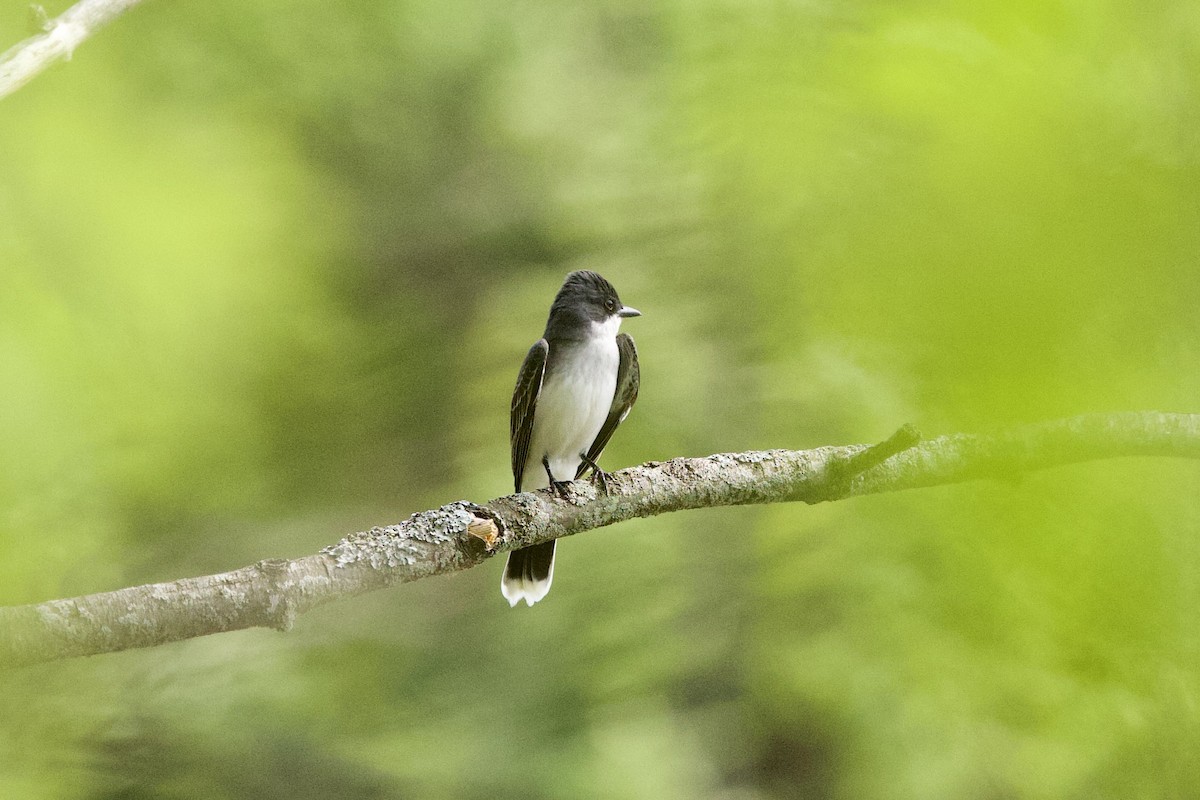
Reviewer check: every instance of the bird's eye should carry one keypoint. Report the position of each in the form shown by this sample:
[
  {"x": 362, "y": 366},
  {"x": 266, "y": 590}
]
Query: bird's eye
[{"x": 610, "y": 304}]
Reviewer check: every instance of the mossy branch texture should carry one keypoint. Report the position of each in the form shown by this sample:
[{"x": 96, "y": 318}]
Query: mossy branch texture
[
  {"x": 22, "y": 62},
  {"x": 460, "y": 535}
]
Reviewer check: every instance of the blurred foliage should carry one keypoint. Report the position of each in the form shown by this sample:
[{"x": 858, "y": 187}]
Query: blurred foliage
[{"x": 268, "y": 273}]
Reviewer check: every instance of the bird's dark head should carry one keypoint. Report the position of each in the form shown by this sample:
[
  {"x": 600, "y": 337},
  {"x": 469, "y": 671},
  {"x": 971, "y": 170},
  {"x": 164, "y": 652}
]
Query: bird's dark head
[{"x": 586, "y": 303}]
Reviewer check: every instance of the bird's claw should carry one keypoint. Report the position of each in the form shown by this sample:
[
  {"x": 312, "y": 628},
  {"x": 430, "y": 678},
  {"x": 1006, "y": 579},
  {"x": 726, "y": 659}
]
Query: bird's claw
[{"x": 600, "y": 478}]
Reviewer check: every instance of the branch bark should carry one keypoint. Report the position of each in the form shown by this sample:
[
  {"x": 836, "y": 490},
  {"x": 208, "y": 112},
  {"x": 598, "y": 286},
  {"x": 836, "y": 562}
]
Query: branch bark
[
  {"x": 23, "y": 61},
  {"x": 460, "y": 535}
]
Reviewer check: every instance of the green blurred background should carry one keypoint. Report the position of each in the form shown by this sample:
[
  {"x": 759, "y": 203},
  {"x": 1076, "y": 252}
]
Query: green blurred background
[{"x": 267, "y": 272}]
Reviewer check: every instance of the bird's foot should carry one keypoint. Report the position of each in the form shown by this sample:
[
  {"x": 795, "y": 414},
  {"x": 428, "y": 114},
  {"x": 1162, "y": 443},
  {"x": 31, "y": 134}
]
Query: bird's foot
[
  {"x": 599, "y": 476},
  {"x": 558, "y": 487}
]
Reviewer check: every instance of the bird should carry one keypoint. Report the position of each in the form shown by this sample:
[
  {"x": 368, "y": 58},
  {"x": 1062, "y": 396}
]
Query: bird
[{"x": 576, "y": 385}]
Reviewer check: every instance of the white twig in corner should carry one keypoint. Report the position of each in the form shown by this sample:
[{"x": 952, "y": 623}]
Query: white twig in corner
[{"x": 23, "y": 61}]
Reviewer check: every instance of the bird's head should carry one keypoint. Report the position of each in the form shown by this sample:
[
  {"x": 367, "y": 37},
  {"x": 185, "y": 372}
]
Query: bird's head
[{"x": 585, "y": 302}]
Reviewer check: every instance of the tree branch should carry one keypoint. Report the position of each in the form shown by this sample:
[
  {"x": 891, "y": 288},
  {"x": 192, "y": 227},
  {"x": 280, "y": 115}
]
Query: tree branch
[
  {"x": 23, "y": 61},
  {"x": 460, "y": 535}
]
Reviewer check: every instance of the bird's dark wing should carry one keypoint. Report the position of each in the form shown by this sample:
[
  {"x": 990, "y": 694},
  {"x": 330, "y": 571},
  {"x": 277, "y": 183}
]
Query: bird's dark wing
[
  {"x": 524, "y": 402},
  {"x": 628, "y": 380}
]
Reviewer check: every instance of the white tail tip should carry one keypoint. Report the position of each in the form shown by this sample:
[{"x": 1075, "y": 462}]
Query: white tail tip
[{"x": 515, "y": 591}]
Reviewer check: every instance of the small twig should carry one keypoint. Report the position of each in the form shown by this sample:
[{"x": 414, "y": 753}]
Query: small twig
[
  {"x": 844, "y": 466},
  {"x": 908, "y": 436}
]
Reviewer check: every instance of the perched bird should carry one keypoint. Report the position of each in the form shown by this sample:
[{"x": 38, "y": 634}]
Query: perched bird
[{"x": 576, "y": 386}]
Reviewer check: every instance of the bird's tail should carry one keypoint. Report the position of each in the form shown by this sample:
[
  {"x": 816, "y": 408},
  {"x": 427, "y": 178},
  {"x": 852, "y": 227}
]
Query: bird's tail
[{"x": 528, "y": 574}]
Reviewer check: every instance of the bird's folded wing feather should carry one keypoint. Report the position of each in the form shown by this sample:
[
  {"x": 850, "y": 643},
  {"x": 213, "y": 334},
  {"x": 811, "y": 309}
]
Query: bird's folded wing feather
[{"x": 524, "y": 403}]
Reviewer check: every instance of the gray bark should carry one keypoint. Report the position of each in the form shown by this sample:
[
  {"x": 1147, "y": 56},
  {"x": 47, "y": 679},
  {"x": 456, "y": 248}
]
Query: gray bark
[{"x": 460, "y": 535}]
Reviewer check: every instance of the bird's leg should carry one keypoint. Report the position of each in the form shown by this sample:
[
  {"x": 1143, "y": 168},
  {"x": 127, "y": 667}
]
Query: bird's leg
[
  {"x": 598, "y": 475},
  {"x": 559, "y": 487}
]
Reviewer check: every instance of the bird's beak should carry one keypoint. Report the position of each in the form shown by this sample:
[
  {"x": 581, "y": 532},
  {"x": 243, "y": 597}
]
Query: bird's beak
[{"x": 626, "y": 311}]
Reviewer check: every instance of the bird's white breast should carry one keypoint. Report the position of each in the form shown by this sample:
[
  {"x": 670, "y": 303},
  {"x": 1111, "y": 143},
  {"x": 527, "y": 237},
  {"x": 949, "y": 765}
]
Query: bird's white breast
[{"x": 572, "y": 406}]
